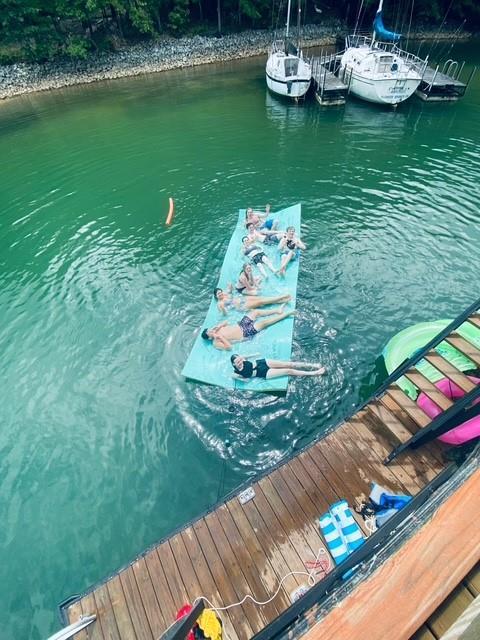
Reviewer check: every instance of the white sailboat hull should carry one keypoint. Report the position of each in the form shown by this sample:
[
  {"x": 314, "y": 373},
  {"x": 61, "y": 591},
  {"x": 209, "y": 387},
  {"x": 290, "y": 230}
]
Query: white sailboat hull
[
  {"x": 379, "y": 90},
  {"x": 290, "y": 88}
]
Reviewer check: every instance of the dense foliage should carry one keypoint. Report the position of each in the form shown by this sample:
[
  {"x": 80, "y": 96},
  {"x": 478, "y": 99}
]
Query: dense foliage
[{"x": 43, "y": 29}]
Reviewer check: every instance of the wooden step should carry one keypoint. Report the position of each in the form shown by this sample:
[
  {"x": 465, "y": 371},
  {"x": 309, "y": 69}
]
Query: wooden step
[
  {"x": 467, "y": 348},
  {"x": 475, "y": 320},
  {"x": 449, "y": 371},
  {"x": 428, "y": 388}
]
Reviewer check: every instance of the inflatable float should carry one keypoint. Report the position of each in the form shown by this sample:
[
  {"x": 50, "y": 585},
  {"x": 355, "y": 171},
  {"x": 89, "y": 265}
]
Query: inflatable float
[{"x": 411, "y": 340}]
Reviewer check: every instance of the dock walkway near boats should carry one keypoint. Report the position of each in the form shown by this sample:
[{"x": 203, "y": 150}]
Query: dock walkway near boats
[
  {"x": 438, "y": 86},
  {"x": 238, "y": 549},
  {"x": 329, "y": 89}
]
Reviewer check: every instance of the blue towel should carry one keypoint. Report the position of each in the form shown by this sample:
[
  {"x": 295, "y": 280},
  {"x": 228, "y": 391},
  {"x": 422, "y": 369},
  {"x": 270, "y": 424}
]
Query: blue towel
[{"x": 341, "y": 533}]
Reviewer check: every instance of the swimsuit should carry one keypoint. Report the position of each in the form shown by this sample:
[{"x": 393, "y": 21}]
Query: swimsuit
[
  {"x": 247, "y": 327},
  {"x": 261, "y": 369},
  {"x": 268, "y": 224},
  {"x": 292, "y": 246},
  {"x": 258, "y": 257},
  {"x": 240, "y": 289}
]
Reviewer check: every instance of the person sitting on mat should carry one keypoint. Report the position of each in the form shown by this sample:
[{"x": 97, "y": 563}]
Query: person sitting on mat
[
  {"x": 226, "y": 301},
  {"x": 246, "y": 283},
  {"x": 289, "y": 246},
  {"x": 244, "y": 369},
  {"x": 260, "y": 220},
  {"x": 223, "y": 334},
  {"x": 257, "y": 256}
]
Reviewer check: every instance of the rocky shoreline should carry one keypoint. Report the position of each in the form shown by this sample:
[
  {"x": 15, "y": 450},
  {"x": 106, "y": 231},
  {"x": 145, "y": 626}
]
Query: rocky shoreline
[{"x": 161, "y": 55}]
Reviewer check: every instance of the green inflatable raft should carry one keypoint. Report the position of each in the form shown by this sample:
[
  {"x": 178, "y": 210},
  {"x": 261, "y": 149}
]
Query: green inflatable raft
[{"x": 408, "y": 341}]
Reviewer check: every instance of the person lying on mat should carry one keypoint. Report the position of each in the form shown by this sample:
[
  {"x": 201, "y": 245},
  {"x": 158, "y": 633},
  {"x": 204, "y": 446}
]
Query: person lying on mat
[
  {"x": 254, "y": 235},
  {"x": 226, "y": 301},
  {"x": 289, "y": 246},
  {"x": 246, "y": 283},
  {"x": 260, "y": 220},
  {"x": 244, "y": 369},
  {"x": 257, "y": 256},
  {"x": 223, "y": 334}
]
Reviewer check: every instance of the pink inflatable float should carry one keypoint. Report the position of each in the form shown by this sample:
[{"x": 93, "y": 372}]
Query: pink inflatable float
[{"x": 466, "y": 431}]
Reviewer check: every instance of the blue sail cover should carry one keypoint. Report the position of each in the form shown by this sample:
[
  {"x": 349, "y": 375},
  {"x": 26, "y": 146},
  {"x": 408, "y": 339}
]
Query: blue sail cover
[{"x": 380, "y": 32}]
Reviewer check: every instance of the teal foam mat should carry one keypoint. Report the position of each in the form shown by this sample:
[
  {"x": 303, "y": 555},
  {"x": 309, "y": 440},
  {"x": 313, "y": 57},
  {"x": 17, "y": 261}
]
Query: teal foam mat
[{"x": 208, "y": 364}]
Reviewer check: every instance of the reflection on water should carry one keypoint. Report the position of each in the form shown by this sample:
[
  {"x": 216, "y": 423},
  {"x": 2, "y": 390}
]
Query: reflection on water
[{"x": 286, "y": 114}]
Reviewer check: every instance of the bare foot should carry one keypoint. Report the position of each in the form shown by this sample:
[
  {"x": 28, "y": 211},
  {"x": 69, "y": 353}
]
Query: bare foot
[
  {"x": 281, "y": 308},
  {"x": 319, "y": 372}
]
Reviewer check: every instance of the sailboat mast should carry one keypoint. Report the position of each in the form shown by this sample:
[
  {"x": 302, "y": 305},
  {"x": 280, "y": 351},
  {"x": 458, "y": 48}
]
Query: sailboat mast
[
  {"x": 299, "y": 12},
  {"x": 288, "y": 18}
]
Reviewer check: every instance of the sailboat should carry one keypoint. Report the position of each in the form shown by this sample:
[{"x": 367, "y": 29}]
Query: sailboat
[
  {"x": 287, "y": 73},
  {"x": 376, "y": 69}
]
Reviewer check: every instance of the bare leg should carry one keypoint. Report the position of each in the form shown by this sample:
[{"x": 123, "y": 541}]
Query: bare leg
[
  {"x": 282, "y": 364},
  {"x": 269, "y": 264},
  {"x": 277, "y": 373},
  {"x": 261, "y": 268},
  {"x": 257, "y": 313},
  {"x": 263, "y": 302},
  {"x": 263, "y": 324},
  {"x": 284, "y": 263}
]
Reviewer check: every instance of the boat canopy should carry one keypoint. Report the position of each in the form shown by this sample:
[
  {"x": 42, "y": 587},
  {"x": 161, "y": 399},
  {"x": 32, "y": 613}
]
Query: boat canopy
[{"x": 380, "y": 32}]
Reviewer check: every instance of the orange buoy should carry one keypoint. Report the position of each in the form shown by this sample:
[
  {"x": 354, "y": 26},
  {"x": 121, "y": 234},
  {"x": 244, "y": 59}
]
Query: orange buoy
[{"x": 171, "y": 211}]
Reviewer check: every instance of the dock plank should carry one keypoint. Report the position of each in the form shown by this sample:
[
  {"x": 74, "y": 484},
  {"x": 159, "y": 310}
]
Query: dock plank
[
  {"x": 274, "y": 527},
  {"x": 271, "y": 572},
  {"x": 419, "y": 417},
  {"x": 428, "y": 388},
  {"x": 430, "y": 454},
  {"x": 235, "y": 572},
  {"x": 106, "y": 615},
  {"x": 186, "y": 568},
  {"x": 149, "y": 598},
  {"x": 120, "y": 609},
  {"x": 251, "y": 572},
  {"x": 175, "y": 581},
  {"x": 275, "y": 545},
  {"x": 449, "y": 371},
  {"x": 371, "y": 468},
  {"x": 310, "y": 485},
  {"x": 160, "y": 585},
  {"x": 280, "y": 494},
  {"x": 135, "y": 605},
  {"x": 340, "y": 481},
  {"x": 466, "y": 347},
  {"x": 402, "y": 467},
  {"x": 418, "y": 464},
  {"x": 89, "y": 607},
  {"x": 207, "y": 583},
  {"x": 239, "y": 615},
  {"x": 75, "y": 611}
]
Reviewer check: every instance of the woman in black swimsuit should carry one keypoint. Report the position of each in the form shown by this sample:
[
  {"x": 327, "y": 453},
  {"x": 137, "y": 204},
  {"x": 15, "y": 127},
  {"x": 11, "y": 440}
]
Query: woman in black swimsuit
[{"x": 245, "y": 369}]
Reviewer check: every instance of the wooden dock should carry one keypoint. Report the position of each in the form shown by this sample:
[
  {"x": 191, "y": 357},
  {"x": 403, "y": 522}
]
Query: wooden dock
[{"x": 238, "y": 549}]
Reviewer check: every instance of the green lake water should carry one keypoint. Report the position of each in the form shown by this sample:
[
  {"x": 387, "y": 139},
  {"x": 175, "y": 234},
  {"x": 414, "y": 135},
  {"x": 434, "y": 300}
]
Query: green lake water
[{"x": 104, "y": 447}]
